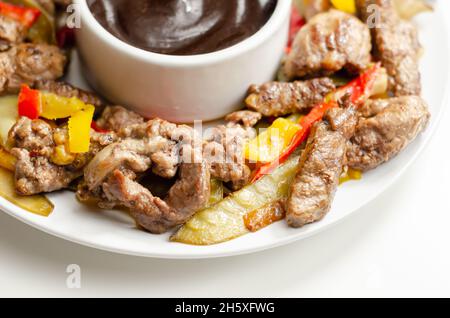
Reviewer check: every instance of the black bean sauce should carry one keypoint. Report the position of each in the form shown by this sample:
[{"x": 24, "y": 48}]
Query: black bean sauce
[{"x": 182, "y": 27}]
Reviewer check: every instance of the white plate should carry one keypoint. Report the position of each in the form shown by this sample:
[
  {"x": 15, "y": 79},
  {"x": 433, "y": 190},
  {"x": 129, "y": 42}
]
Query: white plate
[{"x": 115, "y": 231}]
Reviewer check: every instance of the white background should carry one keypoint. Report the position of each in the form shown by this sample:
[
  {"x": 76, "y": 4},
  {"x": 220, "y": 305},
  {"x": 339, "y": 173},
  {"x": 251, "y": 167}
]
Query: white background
[{"x": 396, "y": 246}]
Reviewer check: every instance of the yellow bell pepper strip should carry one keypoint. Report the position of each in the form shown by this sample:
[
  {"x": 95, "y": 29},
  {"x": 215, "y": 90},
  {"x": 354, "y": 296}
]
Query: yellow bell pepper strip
[
  {"x": 80, "y": 130},
  {"x": 58, "y": 107},
  {"x": 348, "y": 6},
  {"x": 35, "y": 104},
  {"x": 29, "y": 104},
  {"x": 358, "y": 90},
  {"x": 349, "y": 175},
  {"x": 26, "y": 16},
  {"x": 269, "y": 144}
]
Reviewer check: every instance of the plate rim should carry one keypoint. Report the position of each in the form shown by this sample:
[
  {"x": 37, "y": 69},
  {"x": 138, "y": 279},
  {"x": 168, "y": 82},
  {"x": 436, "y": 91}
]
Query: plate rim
[{"x": 17, "y": 212}]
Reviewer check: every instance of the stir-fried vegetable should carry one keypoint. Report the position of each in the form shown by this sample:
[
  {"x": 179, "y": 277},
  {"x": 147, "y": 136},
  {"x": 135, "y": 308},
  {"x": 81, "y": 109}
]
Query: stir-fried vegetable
[
  {"x": 80, "y": 130},
  {"x": 345, "y": 5},
  {"x": 34, "y": 104},
  {"x": 43, "y": 30},
  {"x": 297, "y": 22},
  {"x": 7, "y": 161},
  {"x": 26, "y": 16},
  {"x": 29, "y": 103},
  {"x": 265, "y": 216},
  {"x": 407, "y": 9},
  {"x": 268, "y": 145},
  {"x": 225, "y": 220},
  {"x": 217, "y": 192},
  {"x": 350, "y": 174},
  {"x": 56, "y": 107},
  {"x": 8, "y": 116},
  {"x": 358, "y": 90},
  {"x": 36, "y": 204}
]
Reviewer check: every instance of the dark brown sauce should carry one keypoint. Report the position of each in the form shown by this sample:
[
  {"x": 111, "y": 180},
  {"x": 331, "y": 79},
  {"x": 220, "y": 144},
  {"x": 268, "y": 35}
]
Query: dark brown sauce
[{"x": 182, "y": 27}]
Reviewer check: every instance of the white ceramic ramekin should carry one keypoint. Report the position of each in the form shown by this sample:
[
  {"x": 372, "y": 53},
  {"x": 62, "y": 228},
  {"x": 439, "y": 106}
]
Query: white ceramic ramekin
[{"x": 180, "y": 88}]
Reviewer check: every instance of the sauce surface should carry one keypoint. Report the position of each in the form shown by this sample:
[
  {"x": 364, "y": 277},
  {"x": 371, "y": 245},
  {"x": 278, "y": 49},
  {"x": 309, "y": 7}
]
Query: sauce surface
[{"x": 182, "y": 27}]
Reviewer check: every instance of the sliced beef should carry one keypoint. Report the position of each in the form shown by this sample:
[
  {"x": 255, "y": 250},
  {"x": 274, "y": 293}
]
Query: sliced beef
[
  {"x": 398, "y": 121},
  {"x": 29, "y": 63},
  {"x": 245, "y": 117},
  {"x": 320, "y": 167},
  {"x": 224, "y": 151},
  {"x": 396, "y": 45},
  {"x": 66, "y": 90},
  {"x": 277, "y": 99},
  {"x": 189, "y": 194},
  {"x": 113, "y": 174},
  {"x": 329, "y": 42},
  {"x": 39, "y": 149},
  {"x": 117, "y": 118}
]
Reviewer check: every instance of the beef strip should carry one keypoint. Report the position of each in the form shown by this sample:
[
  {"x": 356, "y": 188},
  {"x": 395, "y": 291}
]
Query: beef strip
[
  {"x": 320, "y": 167},
  {"x": 189, "y": 194},
  {"x": 314, "y": 7},
  {"x": 117, "y": 118},
  {"x": 35, "y": 144},
  {"x": 66, "y": 90},
  {"x": 224, "y": 151},
  {"x": 398, "y": 121},
  {"x": 164, "y": 147},
  {"x": 29, "y": 63},
  {"x": 396, "y": 45},
  {"x": 245, "y": 117},
  {"x": 277, "y": 99},
  {"x": 329, "y": 42}
]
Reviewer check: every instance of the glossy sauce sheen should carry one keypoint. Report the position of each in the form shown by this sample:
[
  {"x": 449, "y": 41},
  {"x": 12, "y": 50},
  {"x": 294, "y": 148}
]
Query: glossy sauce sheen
[{"x": 182, "y": 27}]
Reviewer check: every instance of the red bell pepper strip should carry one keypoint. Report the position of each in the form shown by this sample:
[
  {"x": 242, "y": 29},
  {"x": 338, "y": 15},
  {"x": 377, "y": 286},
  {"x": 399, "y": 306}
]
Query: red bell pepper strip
[
  {"x": 98, "y": 129},
  {"x": 359, "y": 90},
  {"x": 29, "y": 103},
  {"x": 26, "y": 16},
  {"x": 297, "y": 22}
]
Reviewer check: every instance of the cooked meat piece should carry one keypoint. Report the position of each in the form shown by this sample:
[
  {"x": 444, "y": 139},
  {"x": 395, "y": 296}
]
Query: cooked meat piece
[
  {"x": 244, "y": 117},
  {"x": 33, "y": 135},
  {"x": 320, "y": 167},
  {"x": 11, "y": 31},
  {"x": 38, "y": 175},
  {"x": 341, "y": 120},
  {"x": 38, "y": 146},
  {"x": 380, "y": 138},
  {"x": 29, "y": 63},
  {"x": 396, "y": 45},
  {"x": 277, "y": 99},
  {"x": 157, "y": 144},
  {"x": 117, "y": 118},
  {"x": 329, "y": 42},
  {"x": 132, "y": 154},
  {"x": 66, "y": 90},
  {"x": 160, "y": 145},
  {"x": 373, "y": 107},
  {"x": 224, "y": 151},
  {"x": 314, "y": 7},
  {"x": 189, "y": 194}
]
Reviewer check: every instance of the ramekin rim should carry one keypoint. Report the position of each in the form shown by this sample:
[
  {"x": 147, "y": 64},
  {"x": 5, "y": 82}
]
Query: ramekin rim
[{"x": 276, "y": 21}]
